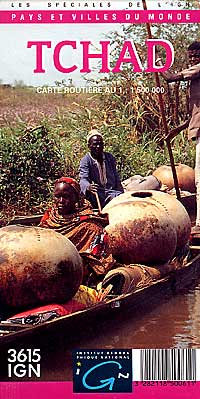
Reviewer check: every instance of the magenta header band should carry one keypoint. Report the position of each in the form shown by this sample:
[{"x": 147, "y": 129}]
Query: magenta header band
[{"x": 106, "y": 16}]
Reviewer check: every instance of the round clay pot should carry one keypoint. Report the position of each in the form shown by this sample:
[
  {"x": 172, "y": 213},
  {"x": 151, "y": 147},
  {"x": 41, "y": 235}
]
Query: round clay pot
[
  {"x": 168, "y": 203},
  {"x": 139, "y": 230},
  {"x": 141, "y": 183},
  {"x": 185, "y": 176},
  {"x": 37, "y": 266}
]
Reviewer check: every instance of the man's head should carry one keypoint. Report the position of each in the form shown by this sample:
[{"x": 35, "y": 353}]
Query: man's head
[
  {"x": 66, "y": 196},
  {"x": 95, "y": 144},
  {"x": 194, "y": 53}
]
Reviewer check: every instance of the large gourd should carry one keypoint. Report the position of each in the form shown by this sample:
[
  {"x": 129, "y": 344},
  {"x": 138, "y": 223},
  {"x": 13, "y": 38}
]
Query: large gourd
[
  {"x": 138, "y": 183},
  {"x": 177, "y": 212},
  {"x": 140, "y": 230},
  {"x": 185, "y": 176},
  {"x": 168, "y": 203},
  {"x": 37, "y": 266}
]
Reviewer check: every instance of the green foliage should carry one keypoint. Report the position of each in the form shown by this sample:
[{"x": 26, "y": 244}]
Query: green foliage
[
  {"x": 144, "y": 157},
  {"x": 30, "y": 161}
]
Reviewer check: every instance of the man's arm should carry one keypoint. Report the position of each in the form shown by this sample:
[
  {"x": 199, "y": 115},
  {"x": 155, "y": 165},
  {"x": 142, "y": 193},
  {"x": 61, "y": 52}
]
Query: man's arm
[
  {"x": 84, "y": 175},
  {"x": 190, "y": 73},
  {"x": 167, "y": 75},
  {"x": 85, "y": 180}
]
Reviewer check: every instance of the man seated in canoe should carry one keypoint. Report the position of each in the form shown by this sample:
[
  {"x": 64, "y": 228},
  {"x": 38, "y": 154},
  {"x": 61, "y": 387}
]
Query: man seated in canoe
[
  {"x": 73, "y": 216},
  {"x": 98, "y": 173}
]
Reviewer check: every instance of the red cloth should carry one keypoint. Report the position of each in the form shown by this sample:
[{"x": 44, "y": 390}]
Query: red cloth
[{"x": 71, "y": 181}]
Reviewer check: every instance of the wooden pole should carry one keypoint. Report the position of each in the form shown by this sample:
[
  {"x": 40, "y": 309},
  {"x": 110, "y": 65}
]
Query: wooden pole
[
  {"x": 162, "y": 110},
  {"x": 98, "y": 202},
  {"x": 97, "y": 199}
]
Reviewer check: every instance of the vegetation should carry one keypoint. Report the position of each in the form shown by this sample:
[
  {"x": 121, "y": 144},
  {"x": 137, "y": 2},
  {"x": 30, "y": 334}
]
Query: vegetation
[{"x": 43, "y": 136}]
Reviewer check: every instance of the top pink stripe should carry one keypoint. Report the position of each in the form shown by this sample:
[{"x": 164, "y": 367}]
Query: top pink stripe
[{"x": 99, "y": 16}]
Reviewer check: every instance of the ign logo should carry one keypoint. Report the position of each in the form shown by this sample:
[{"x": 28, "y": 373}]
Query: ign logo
[{"x": 102, "y": 370}]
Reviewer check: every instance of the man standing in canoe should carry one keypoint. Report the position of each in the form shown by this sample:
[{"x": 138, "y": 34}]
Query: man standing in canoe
[
  {"x": 192, "y": 74},
  {"x": 98, "y": 173}
]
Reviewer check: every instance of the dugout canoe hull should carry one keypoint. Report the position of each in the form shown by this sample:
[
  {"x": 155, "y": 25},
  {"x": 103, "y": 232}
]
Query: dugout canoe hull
[{"x": 71, "y": 326}]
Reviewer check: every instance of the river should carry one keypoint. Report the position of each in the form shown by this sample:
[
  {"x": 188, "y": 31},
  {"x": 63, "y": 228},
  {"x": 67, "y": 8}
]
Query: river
[{"x": 173, "y": 323}]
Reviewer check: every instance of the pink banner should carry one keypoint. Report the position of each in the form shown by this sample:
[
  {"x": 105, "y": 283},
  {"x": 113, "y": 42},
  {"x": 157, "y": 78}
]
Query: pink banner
[
  {"x": 116, "y": 16},
  {"x": 63, "y": 390}
]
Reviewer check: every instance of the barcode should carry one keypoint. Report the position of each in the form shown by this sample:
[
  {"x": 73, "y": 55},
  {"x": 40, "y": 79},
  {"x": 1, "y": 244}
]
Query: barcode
[{"x": 168, "y": 365}]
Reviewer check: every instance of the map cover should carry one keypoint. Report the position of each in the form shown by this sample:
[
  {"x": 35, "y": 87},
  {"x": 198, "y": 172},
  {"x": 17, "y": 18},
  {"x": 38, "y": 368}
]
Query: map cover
[{"x": 68, "y": 67}]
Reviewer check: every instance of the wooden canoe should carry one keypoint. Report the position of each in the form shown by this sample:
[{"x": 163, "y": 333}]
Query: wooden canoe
[{"x": 71, "y": 325}]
